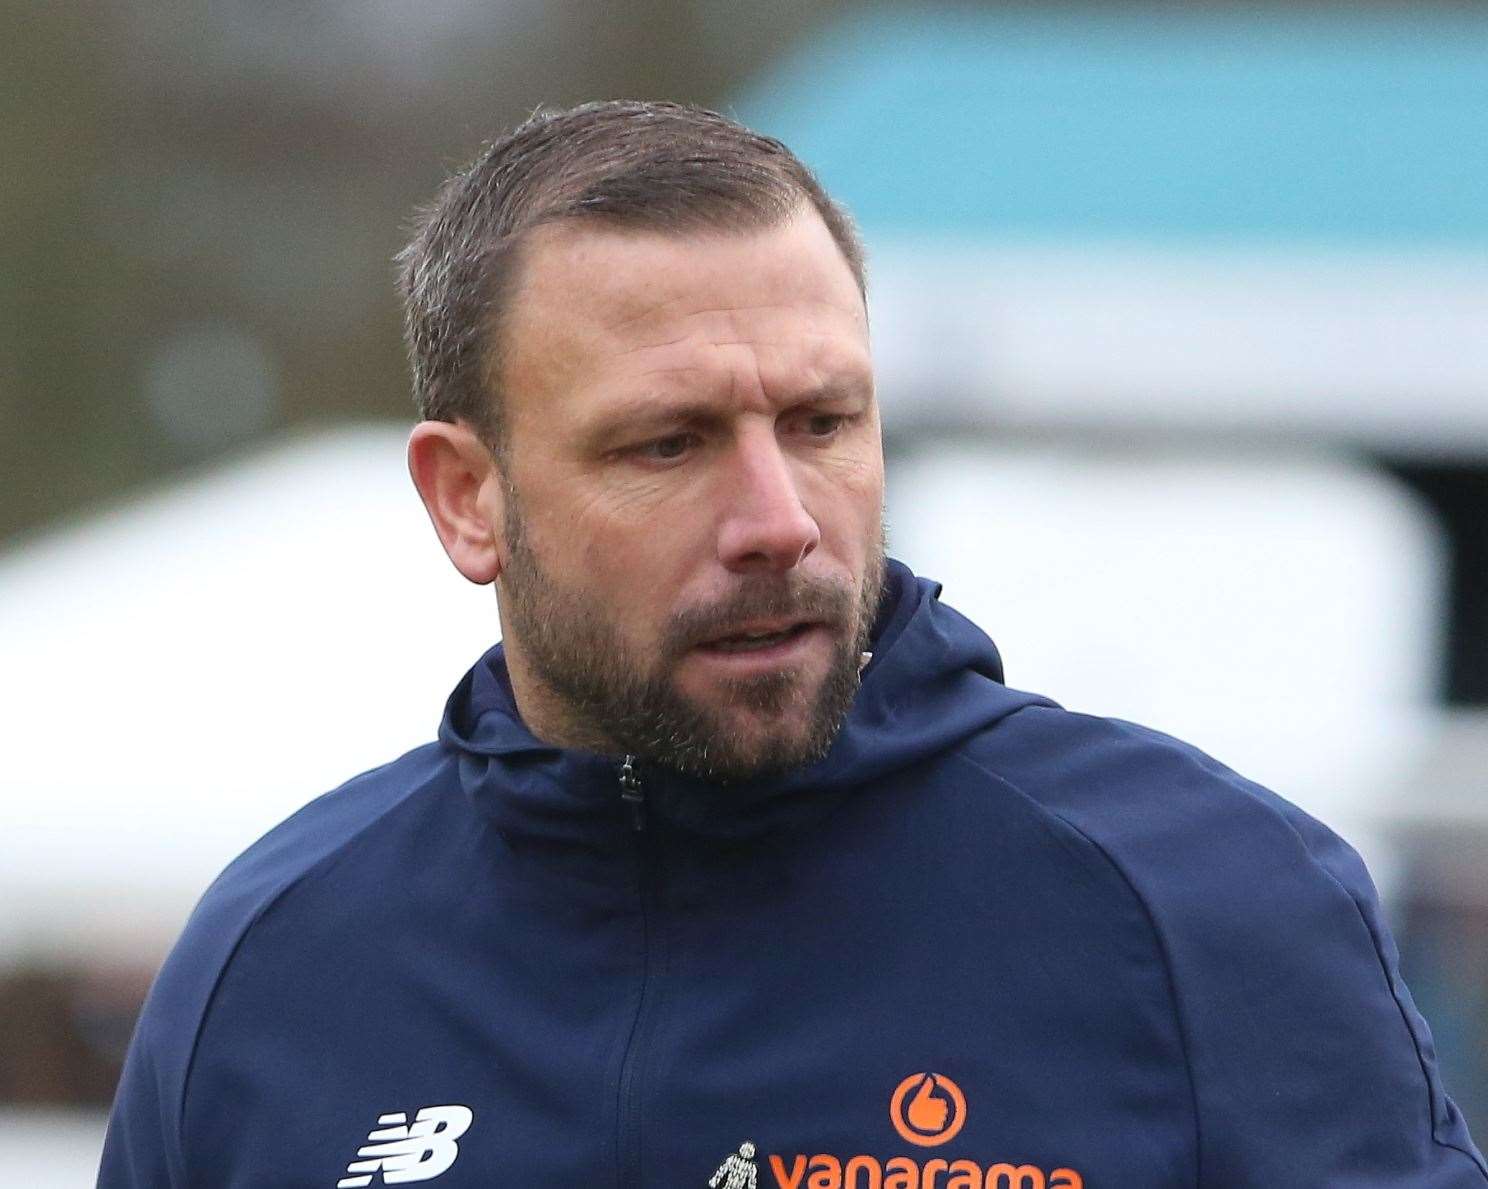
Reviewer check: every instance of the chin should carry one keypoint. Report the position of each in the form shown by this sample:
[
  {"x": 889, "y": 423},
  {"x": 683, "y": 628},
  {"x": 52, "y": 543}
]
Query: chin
[{"x": 768, "y": 739}]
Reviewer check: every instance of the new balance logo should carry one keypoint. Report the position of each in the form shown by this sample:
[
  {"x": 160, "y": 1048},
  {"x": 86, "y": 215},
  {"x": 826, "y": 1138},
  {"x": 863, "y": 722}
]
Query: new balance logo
[{"x": 404, "y": 1152}]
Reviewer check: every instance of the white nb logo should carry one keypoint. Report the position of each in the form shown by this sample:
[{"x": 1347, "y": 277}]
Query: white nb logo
[{"x": 405, "y": 1152}]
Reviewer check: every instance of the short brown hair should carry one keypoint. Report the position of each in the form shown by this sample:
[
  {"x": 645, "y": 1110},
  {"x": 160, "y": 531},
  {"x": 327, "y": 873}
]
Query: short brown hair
[{"x": 653, "y": 165}]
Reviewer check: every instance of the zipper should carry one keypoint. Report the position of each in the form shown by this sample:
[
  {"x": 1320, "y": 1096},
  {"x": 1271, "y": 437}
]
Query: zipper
[
  {"x": 648, "y": 874},
  {"x": 632, "y": 794}
]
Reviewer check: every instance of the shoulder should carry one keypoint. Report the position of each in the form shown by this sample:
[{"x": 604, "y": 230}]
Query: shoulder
[
  {"x": 351, "y": 817},
  {"x": 1225, "y": 870},
  {"x": 1229, "y": 873},
  {"x": 1162, "y": 810},
  {"x": 1237, "y": 883},
  {"x": 1284, "y": 975}
]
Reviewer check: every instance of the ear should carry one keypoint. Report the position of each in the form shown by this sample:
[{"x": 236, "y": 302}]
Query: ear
[{"x": 461, "y": 486}]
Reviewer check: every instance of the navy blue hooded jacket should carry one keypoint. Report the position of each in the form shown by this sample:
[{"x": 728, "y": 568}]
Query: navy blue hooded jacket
[{"x": 984, "y": 943}]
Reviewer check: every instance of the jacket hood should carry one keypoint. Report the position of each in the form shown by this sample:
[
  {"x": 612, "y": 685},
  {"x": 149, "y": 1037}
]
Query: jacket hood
[{"x": 935, "y": 679}]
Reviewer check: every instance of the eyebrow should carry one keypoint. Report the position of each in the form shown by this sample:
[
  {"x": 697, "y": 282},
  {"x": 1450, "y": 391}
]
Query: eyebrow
[
  {"x": 647, "y": 413},
  {"x": 655, "y": 410}
]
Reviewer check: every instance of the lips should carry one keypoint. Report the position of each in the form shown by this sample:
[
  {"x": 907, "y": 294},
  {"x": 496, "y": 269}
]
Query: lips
[{"x": 757, "y": 638}]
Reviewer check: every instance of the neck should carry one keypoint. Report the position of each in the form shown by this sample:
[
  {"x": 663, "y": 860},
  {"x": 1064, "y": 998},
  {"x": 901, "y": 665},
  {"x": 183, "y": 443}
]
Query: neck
[{"x": 544, "y": 713}]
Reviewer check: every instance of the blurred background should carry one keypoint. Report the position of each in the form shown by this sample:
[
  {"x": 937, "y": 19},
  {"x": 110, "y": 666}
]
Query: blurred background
[{"x": 1181, "y": 320}]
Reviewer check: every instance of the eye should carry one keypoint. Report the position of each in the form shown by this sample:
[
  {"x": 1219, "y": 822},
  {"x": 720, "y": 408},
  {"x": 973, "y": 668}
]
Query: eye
[
  {"x": 667, "y": 449},
  {"x": 823, "y": 425}
]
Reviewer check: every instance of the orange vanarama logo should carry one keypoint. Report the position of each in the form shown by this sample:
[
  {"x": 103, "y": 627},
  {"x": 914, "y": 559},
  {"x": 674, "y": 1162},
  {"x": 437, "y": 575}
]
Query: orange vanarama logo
[
  {"x": 935, "y": 1112},
  {"x": 927, "y": 1109}
]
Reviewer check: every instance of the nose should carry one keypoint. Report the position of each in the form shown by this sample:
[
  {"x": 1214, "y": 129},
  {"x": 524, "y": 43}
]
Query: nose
[{"x": 765, "y": 526}]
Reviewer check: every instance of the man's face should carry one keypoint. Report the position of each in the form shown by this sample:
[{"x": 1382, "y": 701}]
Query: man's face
[{"x": 693, "y": 494}]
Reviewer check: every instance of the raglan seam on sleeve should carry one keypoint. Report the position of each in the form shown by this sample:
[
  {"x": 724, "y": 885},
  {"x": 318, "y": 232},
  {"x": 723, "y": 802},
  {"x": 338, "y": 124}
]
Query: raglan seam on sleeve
[
  {"x": 269, "y": 901},
  {"x": 1399, "y": 1008},
  {"x": 162, "y": 1103},
  {"x": 1262, "y": 796},
  {"x": 1158, "y": 938},
  {"x": 207, "y": 1004}
]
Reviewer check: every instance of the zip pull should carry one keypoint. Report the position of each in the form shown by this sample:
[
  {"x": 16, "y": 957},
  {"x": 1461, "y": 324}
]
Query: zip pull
[{"x": 630, "y": 793}]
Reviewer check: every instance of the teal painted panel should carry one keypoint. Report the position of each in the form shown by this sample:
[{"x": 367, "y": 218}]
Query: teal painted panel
[{"x": 1336, "y": 126}]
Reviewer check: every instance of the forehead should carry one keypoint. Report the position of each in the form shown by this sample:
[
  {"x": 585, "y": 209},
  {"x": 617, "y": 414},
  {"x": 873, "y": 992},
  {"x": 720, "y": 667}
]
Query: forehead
[{"x": 595, "y": 306}]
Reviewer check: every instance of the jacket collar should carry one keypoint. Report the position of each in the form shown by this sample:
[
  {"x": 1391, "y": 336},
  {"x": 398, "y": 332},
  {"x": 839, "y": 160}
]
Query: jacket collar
[{"x": 934, "y": 678}]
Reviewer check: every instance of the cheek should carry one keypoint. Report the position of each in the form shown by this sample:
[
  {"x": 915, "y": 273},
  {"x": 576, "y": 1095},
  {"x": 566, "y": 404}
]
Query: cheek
[
  {"x": 639, "y": 556},
  {"x": 850, "y": 496}
]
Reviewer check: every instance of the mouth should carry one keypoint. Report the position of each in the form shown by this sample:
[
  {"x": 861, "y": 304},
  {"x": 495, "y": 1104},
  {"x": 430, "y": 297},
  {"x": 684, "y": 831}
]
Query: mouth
[{"x": 759, "y": 637}]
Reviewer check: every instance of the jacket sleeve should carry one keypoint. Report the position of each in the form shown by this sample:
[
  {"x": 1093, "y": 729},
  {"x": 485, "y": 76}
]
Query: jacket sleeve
[
  {"x": 140, "y": 1126},
  {"x": 1314, "y": 1055},
  {"x": 1308, "y": 1061},
  {"x": 144, "y": 1145}
]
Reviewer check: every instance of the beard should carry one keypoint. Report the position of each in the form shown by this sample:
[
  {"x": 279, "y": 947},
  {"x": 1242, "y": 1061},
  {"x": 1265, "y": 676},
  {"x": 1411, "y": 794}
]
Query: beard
[{"x": 617, "y": 701}]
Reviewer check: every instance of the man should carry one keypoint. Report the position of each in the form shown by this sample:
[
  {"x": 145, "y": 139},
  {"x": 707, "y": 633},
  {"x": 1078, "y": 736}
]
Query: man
[{"x": 738, "y": 850}]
